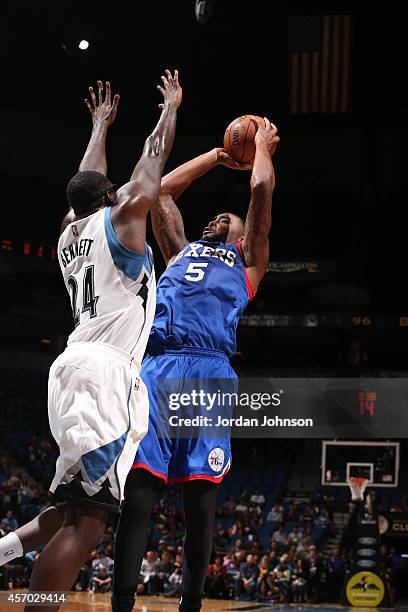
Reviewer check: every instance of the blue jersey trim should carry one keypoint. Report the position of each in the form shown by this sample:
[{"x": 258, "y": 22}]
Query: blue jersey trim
[{"x": 125, "y": 259}]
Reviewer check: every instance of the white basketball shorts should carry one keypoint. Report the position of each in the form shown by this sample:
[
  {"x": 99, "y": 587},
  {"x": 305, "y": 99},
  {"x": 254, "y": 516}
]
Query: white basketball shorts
[{"x": 98, "y": 411}]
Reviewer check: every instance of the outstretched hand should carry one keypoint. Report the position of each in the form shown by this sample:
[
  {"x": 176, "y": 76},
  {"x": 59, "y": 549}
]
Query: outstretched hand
[
  {"x": 171, "y": 90},
  {"x": 103, "y": 110},
  {"x": 268, "y": 132}
]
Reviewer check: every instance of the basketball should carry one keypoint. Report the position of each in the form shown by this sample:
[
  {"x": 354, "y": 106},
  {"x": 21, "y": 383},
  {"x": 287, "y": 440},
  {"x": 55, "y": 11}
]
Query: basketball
[{"x": 239, "y": 139}]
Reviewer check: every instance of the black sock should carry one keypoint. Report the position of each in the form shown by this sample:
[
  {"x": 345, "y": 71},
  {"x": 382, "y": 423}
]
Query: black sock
[
  {"x": 190, "y": 603},
  {"x": 131, "y": 537},
  {"x": 123, "y": 602}
]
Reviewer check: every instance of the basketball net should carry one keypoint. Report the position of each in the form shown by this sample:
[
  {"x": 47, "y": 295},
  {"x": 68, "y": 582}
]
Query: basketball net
[{"x": 357, "y": 487}]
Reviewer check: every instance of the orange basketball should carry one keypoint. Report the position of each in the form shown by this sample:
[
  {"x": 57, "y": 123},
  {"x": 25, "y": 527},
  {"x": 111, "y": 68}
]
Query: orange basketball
[{"x": 239, "y": 139}]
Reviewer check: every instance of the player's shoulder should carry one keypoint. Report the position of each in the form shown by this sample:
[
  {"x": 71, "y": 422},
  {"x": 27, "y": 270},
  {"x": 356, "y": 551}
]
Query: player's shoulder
[{"x": 72, "y": 218}]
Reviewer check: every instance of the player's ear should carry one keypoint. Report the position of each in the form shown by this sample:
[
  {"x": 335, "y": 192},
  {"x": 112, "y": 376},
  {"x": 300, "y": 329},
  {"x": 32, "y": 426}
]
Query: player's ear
[{"x": 110, "y": 198}]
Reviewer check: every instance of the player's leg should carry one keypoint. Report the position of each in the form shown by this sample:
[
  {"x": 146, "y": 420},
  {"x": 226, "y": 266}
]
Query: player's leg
[
  {"x": 131, "y": 537},
  {"x": 32, "y": 535},
  {"x": 200, "y": 499},
  {"x": 61, "y": 560}
]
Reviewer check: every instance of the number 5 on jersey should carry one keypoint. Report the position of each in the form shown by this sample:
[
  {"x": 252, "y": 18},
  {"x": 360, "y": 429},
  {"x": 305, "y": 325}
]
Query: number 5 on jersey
[
  {"x": 195, "y": 271},
  {"x": 89, "y": 299}
]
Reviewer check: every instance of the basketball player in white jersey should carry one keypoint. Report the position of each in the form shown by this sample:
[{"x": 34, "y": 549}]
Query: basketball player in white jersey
[{"x": 97, "y": 404}]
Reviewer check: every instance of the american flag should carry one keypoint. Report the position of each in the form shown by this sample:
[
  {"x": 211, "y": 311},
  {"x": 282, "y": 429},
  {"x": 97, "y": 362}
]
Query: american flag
[{"x": 319, "y": 64}]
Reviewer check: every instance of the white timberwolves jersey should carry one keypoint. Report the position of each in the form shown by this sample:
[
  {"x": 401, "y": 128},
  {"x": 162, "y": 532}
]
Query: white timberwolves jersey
[
  {"x": 97, "y": 405},
  {"x": 112, "y": 289}
]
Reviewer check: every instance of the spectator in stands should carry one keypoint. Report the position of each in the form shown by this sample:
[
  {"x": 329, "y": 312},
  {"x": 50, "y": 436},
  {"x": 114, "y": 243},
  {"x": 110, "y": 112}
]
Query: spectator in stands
[
  {"x": 275, "y": 515},
  {"x": 248, "y": 574},
  {"x": 235, "y": 532},
  {"x": 267, "y": 588},
  {"x": 272, "y": 559},
  {"x": 9, "y": 522},
  {"x": 263, "y": 574},
  {"x": 85, "y": 573},
  {"x": 248, "y": 529},
  {"x": 238, "y": 547},
  {"x": 295, "y": 536},
  {"x": 308, "y": 516},
  {"x": 101, "y": 581},
  {"x": 322, "y": 520},
  {"x": 163, "y": 570},
  {"x": 216, "y": 585},
  {"x": 102, "y": 559},
  {"x": 148, "y": 570},
  {"x": 336, "y": 571},
  {"x": 220, "y": 536},
  {"x": 299, "y": 581},
  {"x": 257, "y": 498},
  {"x": 255, "y": 512},
  {"x": 231, "y": 563},
  {"x": 173, "y": 585},
  {"x": 283, "y": 574},
  {"x": 315, "y": 571},
  {"x": 242, "y": 505},
  {"x": 303, "y": 546},
  {"x": 280, "y": 538}
]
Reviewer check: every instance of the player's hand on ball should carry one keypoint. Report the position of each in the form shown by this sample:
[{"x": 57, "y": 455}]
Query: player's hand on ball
[
  {"x": 268, "y": 132},
  {"x": 171, "y": 90},
  {"x": 103, "y": 110},
  {"x": 226, "y": 160}
]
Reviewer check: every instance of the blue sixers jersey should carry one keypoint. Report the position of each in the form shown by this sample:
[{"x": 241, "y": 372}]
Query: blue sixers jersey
[{"x": 200, "y": 298}]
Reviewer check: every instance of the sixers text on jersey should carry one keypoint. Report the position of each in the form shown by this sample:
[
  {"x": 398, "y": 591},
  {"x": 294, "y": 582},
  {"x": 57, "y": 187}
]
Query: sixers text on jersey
[{"x": 200, "y": 298}]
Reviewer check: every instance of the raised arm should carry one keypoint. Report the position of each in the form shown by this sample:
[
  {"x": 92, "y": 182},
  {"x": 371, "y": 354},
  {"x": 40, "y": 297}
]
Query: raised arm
[
  {"x": 168, "y": 226},
  {"x": 136, "y": 197},
  {"x": 259, "y": 218},
  {"x": 103, "y": 113}
]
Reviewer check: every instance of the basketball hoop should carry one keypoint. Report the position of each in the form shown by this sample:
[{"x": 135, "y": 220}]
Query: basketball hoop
[{"x": 357, "y": 486}]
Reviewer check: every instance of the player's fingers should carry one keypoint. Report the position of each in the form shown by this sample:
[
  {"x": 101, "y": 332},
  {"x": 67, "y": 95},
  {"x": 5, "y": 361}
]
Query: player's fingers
[
  {"x": 93, "y": 97},
  {"x": 89, "y": 105},
  {"x": 108, "y": 92},
  {"x": 161, "y": 105},
  {"x": 162, "y": 91},
  {"x": 257, "y": 121},
  {"x": 100, "y": 92},
  {"x": 165, "y": 81},
  {"x": 267, "y": 124},
  {"x": 169, "y": 76},
  {"x": 116, "y": 99},
  {"x": 176, "y": 79}
]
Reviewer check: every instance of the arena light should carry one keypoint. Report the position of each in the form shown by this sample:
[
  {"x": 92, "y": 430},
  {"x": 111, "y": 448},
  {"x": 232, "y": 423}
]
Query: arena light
[
  {"x": 203, "y": 10},
  {"x": 83, "y": 45}
]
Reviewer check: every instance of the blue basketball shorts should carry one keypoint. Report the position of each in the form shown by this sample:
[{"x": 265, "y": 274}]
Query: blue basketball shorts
[{"x": 171, "y": 453}]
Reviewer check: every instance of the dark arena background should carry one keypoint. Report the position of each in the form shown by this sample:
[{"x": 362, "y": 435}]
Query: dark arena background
[{"x": 333, "y": 304}]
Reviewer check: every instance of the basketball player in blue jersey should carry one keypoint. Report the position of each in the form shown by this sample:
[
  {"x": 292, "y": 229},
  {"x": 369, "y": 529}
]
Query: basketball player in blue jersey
[
  {"x": 200, "y": 298},
  {"x": 97, "y": 401}
]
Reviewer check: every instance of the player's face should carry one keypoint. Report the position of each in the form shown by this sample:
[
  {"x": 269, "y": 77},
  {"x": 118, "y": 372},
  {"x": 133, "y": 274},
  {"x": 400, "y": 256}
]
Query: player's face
[{"x": 223, "y": 228}]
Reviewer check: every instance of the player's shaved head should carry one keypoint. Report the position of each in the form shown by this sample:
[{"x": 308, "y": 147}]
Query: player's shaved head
[{"x": 87, "y": 190}]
